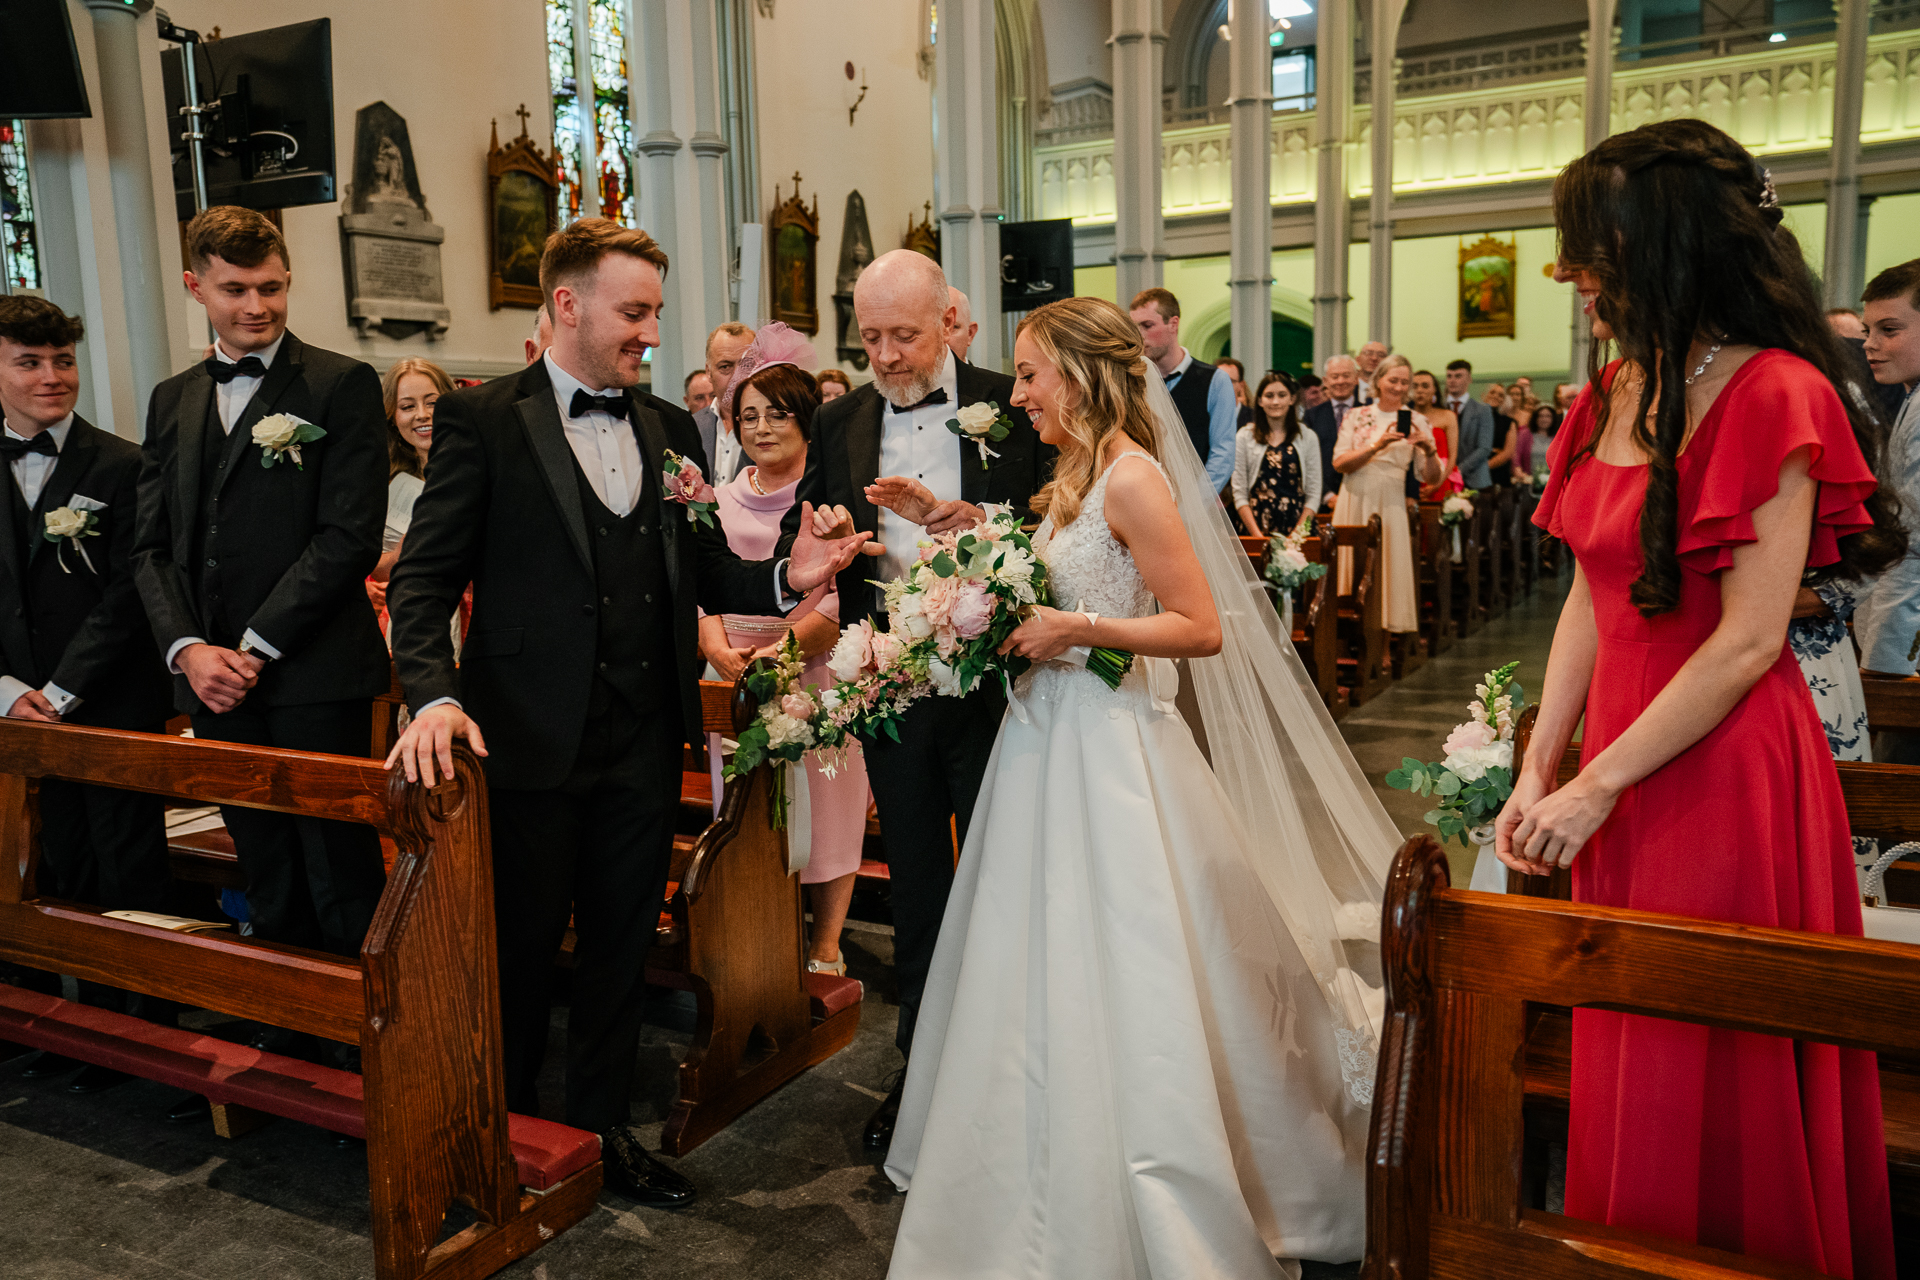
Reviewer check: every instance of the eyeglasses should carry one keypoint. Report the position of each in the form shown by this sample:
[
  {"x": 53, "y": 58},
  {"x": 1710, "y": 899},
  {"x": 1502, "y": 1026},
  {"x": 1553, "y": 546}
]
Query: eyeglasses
[{"x": 772, "y": 417}]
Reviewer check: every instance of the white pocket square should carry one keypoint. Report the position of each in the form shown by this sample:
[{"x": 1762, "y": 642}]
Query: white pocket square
[{"x": 80, "y": 502}]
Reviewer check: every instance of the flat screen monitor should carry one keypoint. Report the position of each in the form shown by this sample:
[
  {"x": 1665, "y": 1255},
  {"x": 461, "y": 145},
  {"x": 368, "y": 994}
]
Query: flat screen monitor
[
  {"x": 39, "y": 66},
  {"x": 270, "y": 146}
]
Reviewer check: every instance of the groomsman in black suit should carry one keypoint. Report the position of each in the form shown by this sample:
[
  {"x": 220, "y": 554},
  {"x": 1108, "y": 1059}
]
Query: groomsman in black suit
[
  {"x": 895, "y": 427},
  {"x": 262, "y": 501},
  {"x": 74, "y": 646},
  {"x": 582, "y": 661}
]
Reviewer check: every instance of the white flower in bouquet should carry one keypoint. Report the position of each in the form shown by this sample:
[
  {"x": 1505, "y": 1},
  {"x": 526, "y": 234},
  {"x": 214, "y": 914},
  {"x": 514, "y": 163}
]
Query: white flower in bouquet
[
  {"x": 783, "y": 730},
  {"x": 1016, "y": 571},
  {"x": 1290, "y": 559},
  {"x": 909, "y": 617},
  {"x": 852, "y": 652},
  {"x": 946, "y": 681},
  {"x": 1472, "y": 764},
  {"x": 829, "y": 700}
]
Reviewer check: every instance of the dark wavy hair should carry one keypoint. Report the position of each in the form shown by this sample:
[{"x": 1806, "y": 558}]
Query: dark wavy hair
[
  {"x": 1669, "y": 222},
  {"x": 1289, "y": 425},
  {"x": 787, "y": 387}
]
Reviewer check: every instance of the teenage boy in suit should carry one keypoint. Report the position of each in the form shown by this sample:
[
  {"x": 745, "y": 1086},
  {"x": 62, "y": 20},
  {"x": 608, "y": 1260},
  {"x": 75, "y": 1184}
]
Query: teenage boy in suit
[
  {"x": 74, "y": 646},
  {"x": 262, "y": 500}
]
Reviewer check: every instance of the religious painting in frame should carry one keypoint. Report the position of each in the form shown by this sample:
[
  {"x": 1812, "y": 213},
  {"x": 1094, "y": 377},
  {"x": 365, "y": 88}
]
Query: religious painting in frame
[
  {"x": 1487, "y": 288},
  {"x": 794, "y": 260},
  {"x": 522, "y": 210}
]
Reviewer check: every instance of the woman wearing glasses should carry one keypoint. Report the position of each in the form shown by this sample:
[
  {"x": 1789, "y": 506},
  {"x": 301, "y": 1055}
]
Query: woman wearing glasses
[{"x": 772, "y": 400}]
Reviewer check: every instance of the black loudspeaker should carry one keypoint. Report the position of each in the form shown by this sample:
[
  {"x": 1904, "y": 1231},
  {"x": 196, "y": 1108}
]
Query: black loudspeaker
[
  {"x": 270, "y": 144},
  {"x": 1036, "y": 263},
  {"x": 39, "y": 65}
]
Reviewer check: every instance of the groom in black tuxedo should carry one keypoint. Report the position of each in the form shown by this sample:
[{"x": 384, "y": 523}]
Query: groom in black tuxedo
[
  {"x": 253, "y": 575},
  {"x": 582, "y": 662},
  {"x": 888, "y": 442},
  {"x": 74, "y": 645}
]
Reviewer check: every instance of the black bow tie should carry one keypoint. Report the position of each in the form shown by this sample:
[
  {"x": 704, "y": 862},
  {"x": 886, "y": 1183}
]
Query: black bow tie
[
  {"x": 245, "y": 367},
  {"x": 585, "y": 402},
  {"x": 13, "y": 450},
  {"x": 936, "y": 396}
]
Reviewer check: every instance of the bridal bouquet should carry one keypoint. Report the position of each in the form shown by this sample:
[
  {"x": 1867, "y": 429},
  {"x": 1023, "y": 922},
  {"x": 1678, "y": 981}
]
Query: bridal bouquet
[
  {"x": 946, "y": 620},
  {"x": 1287, "y": 563},
  {"x": 1476, "y": 777}
]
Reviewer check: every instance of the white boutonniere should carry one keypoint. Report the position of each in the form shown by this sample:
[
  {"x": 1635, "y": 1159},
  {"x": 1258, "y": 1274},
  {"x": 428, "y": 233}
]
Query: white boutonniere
[
  {"x": 71, "y": 523},
  {"x": 981, "y": 423},
  {"x": 683, "y": 483},
  {"x": 281, "y": 436}
]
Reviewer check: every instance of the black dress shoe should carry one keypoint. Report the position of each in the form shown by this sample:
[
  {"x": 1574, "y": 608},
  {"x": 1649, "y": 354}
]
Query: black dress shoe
[
  {"x": 96, "y": 1079},
  {"x": 46, "y": 1065},
  {"x": 879, "y": 1134},
  {"x": 190, "y": 1110},
  {"x": 633, "y": 1173}
]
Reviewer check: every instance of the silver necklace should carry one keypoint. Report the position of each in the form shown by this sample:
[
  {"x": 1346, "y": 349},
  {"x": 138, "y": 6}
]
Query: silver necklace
[{"x": 1712, "y": 351}]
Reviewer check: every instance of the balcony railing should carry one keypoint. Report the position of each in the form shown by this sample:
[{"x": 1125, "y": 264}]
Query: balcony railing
[{"x": 1776, "y": 99}]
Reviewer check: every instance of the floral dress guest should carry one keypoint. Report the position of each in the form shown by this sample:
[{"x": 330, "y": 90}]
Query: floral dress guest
[
  {"x": 772, "y": 401},
  {"x": 1374, "y": 455},
  {"x": 1824, "y": 649},
  {"x": 1707, "y": 785},
  {"x": 1276, "y": 470}
]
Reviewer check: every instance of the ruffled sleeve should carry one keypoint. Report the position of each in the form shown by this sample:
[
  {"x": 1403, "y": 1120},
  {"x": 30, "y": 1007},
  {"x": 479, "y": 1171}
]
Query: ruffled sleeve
[
  {"x": 1775, "y": 405},
  {"x": 1567, "y": 441}
]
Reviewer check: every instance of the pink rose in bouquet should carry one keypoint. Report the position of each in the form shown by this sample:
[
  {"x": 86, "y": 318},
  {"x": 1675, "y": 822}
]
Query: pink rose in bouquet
[
  {"x": 797, "y": 704},
  {"x": 973, "y": 611},
  {"x": 1470, "y": 736},
  {"x": 937, "y": 598},
  {"x": 886, "y": 648}
]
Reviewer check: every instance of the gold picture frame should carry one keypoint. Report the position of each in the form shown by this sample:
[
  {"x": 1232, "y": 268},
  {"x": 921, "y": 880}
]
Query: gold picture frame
[
  {"x": 1487, "y": 285},
  {"x": 793, "y": 259},
  {"x": 523, "y": 189}
]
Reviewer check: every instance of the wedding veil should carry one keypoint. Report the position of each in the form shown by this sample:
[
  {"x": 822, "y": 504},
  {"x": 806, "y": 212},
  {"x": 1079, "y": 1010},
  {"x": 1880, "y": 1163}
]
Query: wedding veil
[{"x": 1320, "y": 839}]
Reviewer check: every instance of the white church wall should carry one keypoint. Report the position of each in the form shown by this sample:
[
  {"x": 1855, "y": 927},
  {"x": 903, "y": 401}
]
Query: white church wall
[
  {"x": 1077, "y": 32},
  {"x": 448, "y": 78},
  {"x": 885, "y": 153}
]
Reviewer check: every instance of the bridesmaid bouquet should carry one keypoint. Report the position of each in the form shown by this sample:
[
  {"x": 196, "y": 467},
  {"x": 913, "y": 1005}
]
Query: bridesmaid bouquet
[
  {"x": 1476, "y": 777},
  {"x": 946, "y": 620}
]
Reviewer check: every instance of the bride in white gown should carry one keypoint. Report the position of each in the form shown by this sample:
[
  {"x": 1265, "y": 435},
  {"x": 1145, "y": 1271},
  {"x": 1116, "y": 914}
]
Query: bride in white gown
[{"x": 1146, "y": 1043}]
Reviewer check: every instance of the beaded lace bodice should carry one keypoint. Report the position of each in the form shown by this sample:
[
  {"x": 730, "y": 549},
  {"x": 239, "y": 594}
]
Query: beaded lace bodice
[{"x": 1088, "y": 568}]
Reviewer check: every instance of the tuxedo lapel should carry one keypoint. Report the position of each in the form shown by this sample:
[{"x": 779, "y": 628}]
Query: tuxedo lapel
[
  {"x": 863, "y": 432},
  {"x": 194, "y": 412},
  {"x": 547, "y": 437},
  {"x": 74, "y": 462},
  {"x": 651, "y": 435},
  {"x": 286, "y": 367},
  {"x": 12, "y": 554},
  {"x": 973, "y": 475}
]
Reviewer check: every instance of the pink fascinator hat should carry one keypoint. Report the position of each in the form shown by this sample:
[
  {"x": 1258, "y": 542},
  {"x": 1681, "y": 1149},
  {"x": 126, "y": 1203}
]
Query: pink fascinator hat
[{"x": 773, "y": 344}]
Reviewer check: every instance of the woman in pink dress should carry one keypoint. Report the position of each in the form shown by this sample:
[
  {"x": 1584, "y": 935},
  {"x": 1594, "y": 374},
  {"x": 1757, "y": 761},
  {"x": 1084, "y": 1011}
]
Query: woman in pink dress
[
  {"x": 1693, "y": 499},
  {"x": 773, "y": 401}
]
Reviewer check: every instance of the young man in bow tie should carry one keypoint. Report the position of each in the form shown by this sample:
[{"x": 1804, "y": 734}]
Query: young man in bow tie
[
  {"x": 74, "y": 645},
  {"x": 262, "y": 500},
  {"x": 579, "y": 679}
]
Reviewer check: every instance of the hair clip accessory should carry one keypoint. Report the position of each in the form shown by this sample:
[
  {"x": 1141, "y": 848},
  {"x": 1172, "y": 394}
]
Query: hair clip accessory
[{"x": 1769, "y": 196}]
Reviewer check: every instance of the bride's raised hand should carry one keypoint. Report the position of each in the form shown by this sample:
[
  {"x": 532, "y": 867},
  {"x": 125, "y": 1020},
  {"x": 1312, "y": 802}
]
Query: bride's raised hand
[
  {"x": 1047, "y": 633},
  {"x": 904, "y": 496}
]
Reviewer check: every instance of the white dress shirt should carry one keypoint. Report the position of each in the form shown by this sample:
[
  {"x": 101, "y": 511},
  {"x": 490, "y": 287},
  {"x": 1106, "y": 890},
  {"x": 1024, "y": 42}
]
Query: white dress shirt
[
  {"x": 728, "y": 454},
  {"x": 917, "y": 444},
  {"x": 233, "y": 396},
  {"x": 231, "y": 399},
  {"x": 606, "y": 448},
  {"x": 30, "y": 472}
]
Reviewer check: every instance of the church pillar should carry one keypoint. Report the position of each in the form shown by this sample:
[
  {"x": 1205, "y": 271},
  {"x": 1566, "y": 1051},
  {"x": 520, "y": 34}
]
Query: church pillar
[
  {"x": 1332, "y": 114},
  {"x": 121, "y": 29},
  {"x": 673, "y": 56},
  {"x": 1844, "y": 264},
  {"x": 1139, "y": 232},
  {"x": 1385, "y": 30},
  {"x": 1597, "y": 117},
  {"x": 967, "y": 165},
  {"x": 1251, "y": 102}
]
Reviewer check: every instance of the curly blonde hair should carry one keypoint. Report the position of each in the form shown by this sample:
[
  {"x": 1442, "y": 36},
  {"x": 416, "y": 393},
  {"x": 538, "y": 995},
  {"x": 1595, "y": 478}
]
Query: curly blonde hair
[{"x": 1098, "y": 351}]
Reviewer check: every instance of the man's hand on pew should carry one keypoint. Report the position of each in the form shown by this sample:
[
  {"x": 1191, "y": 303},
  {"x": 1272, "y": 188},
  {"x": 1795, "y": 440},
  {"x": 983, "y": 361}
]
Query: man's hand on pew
[
  {"x": 33, "y": 705},
  {"x": 220, "y": 677},
  {"x": 430, "y": 737}
]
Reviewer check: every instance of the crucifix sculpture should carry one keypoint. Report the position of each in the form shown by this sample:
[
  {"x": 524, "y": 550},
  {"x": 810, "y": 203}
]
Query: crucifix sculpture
[{"x": 524, "y": 115}]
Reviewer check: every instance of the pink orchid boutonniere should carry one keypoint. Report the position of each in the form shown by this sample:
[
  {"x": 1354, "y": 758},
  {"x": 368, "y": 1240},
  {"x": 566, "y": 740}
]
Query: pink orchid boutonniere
[{"x": 684, "y": 484}]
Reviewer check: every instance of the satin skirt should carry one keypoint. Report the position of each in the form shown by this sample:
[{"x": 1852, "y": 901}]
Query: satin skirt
[{"x": 1123, "y": 1067}]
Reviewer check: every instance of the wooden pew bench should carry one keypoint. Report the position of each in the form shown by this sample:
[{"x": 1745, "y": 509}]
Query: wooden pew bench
[
  {"x": 1469, "y": 602},
  {"x": 1314, "y": 625},
  {"x": 1361, "y": 655},
  {"x": 1436, "y": 580},
  {"x": 1451, "y": 1189}
]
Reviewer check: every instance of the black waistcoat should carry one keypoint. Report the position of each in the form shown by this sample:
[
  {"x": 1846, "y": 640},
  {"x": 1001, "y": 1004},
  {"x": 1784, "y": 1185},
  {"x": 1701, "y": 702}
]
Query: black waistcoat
[
  {"x": 634, "y": 654},
  {"x": 222, "y": 452},
  {"x": 1190, "y": 398}
]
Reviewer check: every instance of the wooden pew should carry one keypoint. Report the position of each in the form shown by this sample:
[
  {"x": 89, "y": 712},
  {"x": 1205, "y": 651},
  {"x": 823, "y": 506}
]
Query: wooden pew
[
  {"x": 1464, "y": 971},
  {"x": 1494, "y": 596},
  {"x": 1436, "y": 580},
  {"x": 1361, "y": 616},
  {"x": 1891, "y": 703},
  {"x": 732, "y": 935},
  {"x": 1468, "y": 610},
  {"x": 1512, "y": 543},
  {"x": 421, "y": 1000},
  {"x": 1314, "y": 629}
]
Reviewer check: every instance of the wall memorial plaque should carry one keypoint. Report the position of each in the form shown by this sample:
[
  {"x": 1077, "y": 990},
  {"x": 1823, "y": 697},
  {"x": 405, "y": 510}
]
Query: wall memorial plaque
[{"x": 388, "y": 239}]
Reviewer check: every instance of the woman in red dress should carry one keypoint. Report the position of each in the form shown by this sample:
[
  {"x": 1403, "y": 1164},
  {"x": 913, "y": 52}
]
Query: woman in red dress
[{"x": 1693, "y": 498}]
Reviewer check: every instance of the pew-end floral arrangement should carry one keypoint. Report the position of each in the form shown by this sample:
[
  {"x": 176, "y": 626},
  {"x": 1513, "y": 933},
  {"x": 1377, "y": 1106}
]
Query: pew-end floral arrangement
[
  {"x": 1475, "y": 779},
  {"x": 1287, "y": 563},
  {"x": 786, "y": 726}
]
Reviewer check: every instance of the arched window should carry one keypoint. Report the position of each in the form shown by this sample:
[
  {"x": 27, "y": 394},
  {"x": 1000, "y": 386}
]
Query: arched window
[
  {"x": 592, "y": 128},
  {"x": 19, "y": 247}
]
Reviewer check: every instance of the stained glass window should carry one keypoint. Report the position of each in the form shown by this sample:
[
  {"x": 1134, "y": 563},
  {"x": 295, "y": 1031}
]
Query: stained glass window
[
  {"x": 566, "y": 105},
  {"x": 613, "y": 127},
  {"x": 19, "y": 248}
]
